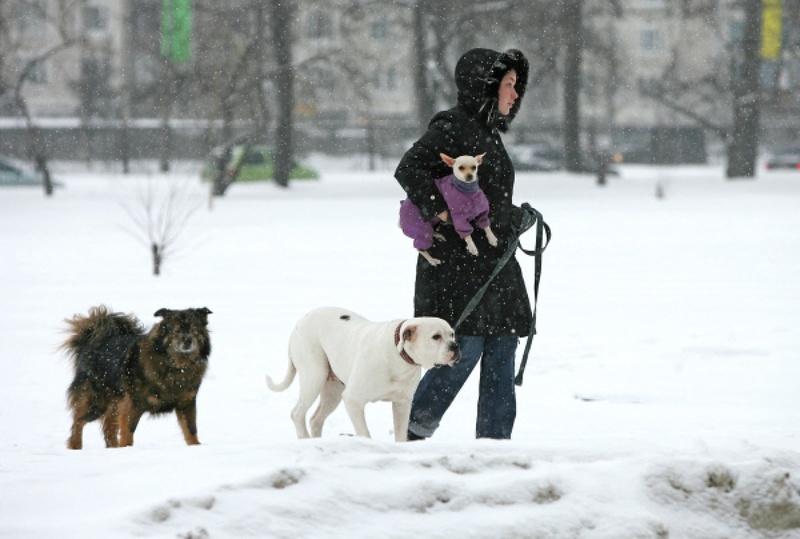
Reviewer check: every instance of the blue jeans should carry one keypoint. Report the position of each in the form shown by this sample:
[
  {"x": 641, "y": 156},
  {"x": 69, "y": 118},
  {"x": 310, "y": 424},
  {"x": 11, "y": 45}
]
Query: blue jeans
[{"x": 497, "y": 401}]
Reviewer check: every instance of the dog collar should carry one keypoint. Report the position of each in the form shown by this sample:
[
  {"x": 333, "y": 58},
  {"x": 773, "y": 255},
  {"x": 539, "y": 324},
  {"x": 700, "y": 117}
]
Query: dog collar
[
  {"x": 465, "y": 187},
  {"x": 403, "y": 353}
]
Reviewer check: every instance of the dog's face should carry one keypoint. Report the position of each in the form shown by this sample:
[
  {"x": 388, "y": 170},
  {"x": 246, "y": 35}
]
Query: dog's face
[
  {"x": 429, "y": 342},
  {"x": 464, "y": 167},
  {"x": 184, "y": 334}
]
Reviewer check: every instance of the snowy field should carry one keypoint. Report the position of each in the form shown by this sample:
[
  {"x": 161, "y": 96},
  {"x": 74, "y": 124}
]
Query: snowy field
[{"x": 661, "y": 399}]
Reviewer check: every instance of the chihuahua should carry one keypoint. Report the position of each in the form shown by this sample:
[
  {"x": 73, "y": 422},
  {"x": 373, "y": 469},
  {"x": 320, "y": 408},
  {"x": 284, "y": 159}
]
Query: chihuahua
[{"x": 465, "y": 202}]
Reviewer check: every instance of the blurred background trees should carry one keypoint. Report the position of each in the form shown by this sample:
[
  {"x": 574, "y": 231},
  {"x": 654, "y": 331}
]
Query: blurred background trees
[{"x": 650, "y": 81}]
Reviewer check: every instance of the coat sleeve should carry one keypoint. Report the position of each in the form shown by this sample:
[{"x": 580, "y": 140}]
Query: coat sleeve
[{"x": 421, "y": 165}]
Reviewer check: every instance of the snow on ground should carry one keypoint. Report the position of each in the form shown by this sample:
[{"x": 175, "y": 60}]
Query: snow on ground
[{"x": 660, "y": 399}]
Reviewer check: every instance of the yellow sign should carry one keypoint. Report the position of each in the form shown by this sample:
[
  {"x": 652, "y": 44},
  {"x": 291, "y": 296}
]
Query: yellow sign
[{"x": 771, "y": 29}]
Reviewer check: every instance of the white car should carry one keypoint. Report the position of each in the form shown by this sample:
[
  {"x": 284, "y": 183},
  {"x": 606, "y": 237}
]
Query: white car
[{"x": 12, "y": 174}]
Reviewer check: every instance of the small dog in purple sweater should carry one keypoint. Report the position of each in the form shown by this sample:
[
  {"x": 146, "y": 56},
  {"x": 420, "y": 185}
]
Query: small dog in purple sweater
[{"x": 465, "y": 202}]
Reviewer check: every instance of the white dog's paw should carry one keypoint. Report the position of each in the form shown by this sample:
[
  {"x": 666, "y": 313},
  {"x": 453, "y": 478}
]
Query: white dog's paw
[
  {"x": 491, "y": 237},
  {"x": 432, "y": 261},
  {"x": 471, "y": 246}
]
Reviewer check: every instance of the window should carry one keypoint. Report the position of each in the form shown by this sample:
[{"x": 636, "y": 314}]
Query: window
[
  {"x": 650, "y": 87},
  {"x": 380, "y": 30},
  {"x": 384, "y": 79},
  {"x": 319, "y": 26},
  {"x": 95, "y": 18},
  {"x": 736, "y": 30},
  {"x": 391, "y": 79},
  {"x": 30, "y": 16},
  {"x": 651, "y": 41},
  {"x": 323, "y": 79},
  {"x": 253, "y": 157}
]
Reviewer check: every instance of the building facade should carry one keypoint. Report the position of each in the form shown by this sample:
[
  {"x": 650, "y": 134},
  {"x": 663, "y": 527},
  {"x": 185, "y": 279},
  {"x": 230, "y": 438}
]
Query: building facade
[{"x": 354, "y": 65}]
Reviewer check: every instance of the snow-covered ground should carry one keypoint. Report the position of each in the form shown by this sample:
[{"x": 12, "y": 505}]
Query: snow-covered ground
[{"x": 661, "y": 398}]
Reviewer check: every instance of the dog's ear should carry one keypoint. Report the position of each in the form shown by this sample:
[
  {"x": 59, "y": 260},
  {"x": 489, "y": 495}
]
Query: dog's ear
[
  {"x": 409, "y": 332},
  {"x": 480, "y": 158},
  {"x": 449, "y": 161},
  {"x": 162, "y": 312},
  {"x": 203, "y": 313}
]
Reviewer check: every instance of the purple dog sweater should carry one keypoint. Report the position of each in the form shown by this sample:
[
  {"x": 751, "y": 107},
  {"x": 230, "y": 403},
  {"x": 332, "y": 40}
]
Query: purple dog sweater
[{"x": 464, "y": 206}]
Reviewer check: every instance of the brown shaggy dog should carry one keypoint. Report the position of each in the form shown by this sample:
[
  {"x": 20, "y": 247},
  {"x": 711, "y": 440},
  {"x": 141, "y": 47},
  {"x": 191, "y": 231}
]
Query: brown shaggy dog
[{"x": 121, "y": 371}]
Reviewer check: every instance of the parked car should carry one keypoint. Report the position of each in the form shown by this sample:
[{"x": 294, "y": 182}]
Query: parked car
[
  {"x": 256, "y": 165},
  {"x": 13, "y": 174},
  {"x": 544, "y": 157},
  {"x": 534, "y": 158},
  {"x": 788, "y": 158}
]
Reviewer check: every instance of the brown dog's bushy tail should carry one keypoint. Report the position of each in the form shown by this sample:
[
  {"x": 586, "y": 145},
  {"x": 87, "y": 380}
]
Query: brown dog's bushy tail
[
  {"x": 287, "y": 380},
  {"x": 97, "y": 327}
]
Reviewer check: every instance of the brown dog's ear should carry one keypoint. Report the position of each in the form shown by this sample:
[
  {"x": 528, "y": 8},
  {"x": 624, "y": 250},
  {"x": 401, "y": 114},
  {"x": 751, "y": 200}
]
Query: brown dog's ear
[
  {"x": 409, "y": 333},
  {"x": 449, "y": 161},
  {"x": 480, "y": 158},
  {"x": 162, "y": 312}
]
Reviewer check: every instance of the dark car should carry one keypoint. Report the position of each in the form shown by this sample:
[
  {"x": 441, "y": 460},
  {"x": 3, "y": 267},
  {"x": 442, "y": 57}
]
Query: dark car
[
  {"x": 534, "y": 157},
  {"x": 788, "y": 158},
  {"x": 15, "y": 175},
  {"x": 544, "y": 157}
]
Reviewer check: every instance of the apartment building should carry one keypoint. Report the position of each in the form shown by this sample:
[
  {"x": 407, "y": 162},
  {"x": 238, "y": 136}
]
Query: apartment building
[{"x": 357, "y": 63}]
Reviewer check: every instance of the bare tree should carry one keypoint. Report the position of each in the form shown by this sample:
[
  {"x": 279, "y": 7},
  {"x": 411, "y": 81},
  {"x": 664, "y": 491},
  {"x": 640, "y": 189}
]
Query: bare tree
[
  {"x": 32, "y": 52},
  {"x": 731, "y": 83},
  {"x": 559, "y": 40},
  {"x": 160, "y": 216},
  {"x": 229, "y": 72}
]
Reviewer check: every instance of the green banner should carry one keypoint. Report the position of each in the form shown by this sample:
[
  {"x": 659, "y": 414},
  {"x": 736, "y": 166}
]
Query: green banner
[{"x": 176, "y": 30}]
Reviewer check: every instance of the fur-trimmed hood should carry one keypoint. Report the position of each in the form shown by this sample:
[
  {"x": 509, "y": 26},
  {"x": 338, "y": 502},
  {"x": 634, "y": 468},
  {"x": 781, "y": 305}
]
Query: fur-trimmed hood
[{"x": 478, "y": 75}]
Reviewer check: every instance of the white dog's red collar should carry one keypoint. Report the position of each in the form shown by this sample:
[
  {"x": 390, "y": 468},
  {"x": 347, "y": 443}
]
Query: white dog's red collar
[{"x": 403, "y": 353}]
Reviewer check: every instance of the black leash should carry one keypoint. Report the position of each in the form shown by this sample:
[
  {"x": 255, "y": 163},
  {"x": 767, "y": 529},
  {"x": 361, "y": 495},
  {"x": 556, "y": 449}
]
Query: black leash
[{"x": 530, "y": 217}]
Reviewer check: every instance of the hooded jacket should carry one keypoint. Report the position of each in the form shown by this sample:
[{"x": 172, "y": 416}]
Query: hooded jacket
[{"x": 472, "y": 127}]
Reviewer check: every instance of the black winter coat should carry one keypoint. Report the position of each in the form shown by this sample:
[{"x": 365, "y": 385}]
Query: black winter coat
[{"x": 470, "y": 128}]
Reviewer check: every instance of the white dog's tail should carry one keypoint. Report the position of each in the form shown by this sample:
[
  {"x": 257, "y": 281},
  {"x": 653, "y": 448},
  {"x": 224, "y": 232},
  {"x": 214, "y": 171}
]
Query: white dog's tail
[{"x": 287, "y": 380}]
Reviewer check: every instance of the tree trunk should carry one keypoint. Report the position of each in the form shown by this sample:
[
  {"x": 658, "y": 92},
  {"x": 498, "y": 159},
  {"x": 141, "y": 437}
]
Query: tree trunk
[
  {"x": 125, "y": 146},
  {"x": 37, "y": 148},
  {"x": 284, "y": 83},
  {"x": 221, "y": 180},
  {"x": 743, "y": 143},
  {"x": 167, "y": 83},
  {"x": 572, "y": 84},
  {"x": 156, "y": 258},
  {"x": 126, "y": 84},
  {"x": 41, "y": 165},
  {"x": 425, "y": 103},
  {"x": 262, "y": 120}
]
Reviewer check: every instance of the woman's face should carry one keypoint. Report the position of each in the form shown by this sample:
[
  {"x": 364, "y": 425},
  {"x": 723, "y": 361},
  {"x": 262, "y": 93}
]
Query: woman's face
[{"x": 507, "y": 95}]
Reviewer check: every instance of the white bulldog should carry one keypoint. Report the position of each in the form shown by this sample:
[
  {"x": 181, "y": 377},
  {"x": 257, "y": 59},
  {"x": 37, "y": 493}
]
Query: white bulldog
[{"x": 340, "y": 355}]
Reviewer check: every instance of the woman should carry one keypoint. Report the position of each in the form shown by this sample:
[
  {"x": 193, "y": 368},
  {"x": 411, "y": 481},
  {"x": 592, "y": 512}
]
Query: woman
[{"x": 490, "y": 87}]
